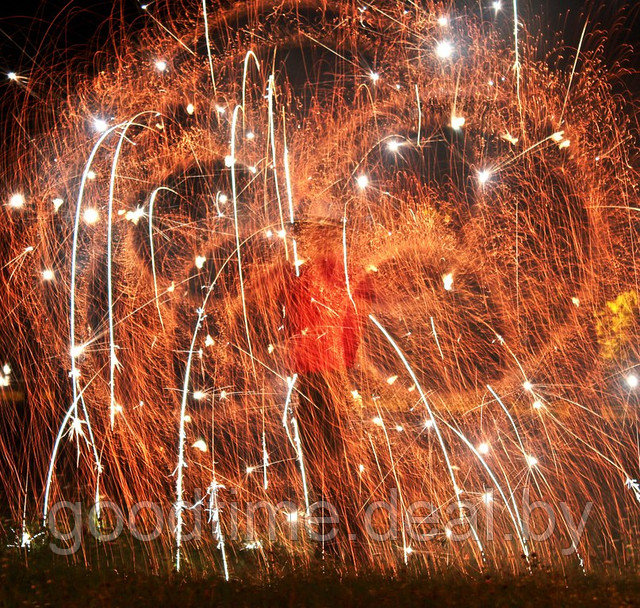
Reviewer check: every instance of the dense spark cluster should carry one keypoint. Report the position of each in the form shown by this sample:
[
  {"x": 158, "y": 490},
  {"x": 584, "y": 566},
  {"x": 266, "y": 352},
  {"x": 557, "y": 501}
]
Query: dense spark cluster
[{"x": 159, "y": 218}]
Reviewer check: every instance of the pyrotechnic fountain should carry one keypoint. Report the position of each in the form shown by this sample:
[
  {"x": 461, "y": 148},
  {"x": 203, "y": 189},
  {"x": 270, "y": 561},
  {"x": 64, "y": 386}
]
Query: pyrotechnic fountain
[{"x": 478, "y": 206}]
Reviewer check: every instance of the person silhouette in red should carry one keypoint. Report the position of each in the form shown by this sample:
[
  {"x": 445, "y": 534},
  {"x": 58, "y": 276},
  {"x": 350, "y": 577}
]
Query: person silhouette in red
[{"x": 324, "y": 315}]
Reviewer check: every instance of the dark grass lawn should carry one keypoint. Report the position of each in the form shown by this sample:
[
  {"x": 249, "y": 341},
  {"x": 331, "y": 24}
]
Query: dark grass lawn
[{"x": 58, "y": 584}]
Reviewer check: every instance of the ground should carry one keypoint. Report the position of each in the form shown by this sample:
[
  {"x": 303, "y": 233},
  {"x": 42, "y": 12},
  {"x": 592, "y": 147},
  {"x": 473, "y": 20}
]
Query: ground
[{"x": 28, "y": 582}]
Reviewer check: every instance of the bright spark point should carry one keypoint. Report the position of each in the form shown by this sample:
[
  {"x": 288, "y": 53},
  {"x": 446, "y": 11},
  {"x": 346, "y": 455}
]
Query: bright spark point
[
  {"x": 362, "y": 181},
  {"x": 91, "y": 216},
  {"x": 77, "y": 350},
  {"x": 17, "y": 201},
  {"x": 292, "y": 517},
  {"x": 190, "y": 109},
  {"x": 220, "y": 110},
  {"x": 198, "y": 395},
  {"x": 483, "y": 448},
  {"x": 377, "y": 421},
  {"x": 374, "y": 77},
  {"x": 12, "y": 76},
  {"x": 532, "y": 461},
  {"x": 483, "y": 176},
  {"x": 250, "y": 135},
  {"x": 527, "y": 386},
  {"x": 537, "y": 404},
  {"x": 229, "y": 161},
  {"x": 394, "y": 145},
  {"x": 443, "y": 21},
  {"x": 48, "y": 275},
  {"x": 223, "y": 198},
  {"x": 200, "y": 445},
  {"x": 457, "y": 122},
  {"x": 391, "y": 379},
  {"x": 487, "y": 497},
  {"x": 496, "y": 6},
  {"x": 632, "y": 381},
  {"x": 428, "y": 423},
  {"x": 256, "y": 544},
  {"x": 57, "y": 203},
  {"x": 161, "y": 65},
  {"x": 135, "y": 216},
  {"x": 444, "y": 49},
  {"x": 447, "y": 281},
  {"x": 200, "y": 260},
  {"x": 100, "y": 125},
  {"x": 91, "y": 175}
]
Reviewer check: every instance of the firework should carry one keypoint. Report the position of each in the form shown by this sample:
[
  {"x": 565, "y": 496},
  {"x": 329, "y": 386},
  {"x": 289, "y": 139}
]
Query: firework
[{"x": 411, "y": 208}]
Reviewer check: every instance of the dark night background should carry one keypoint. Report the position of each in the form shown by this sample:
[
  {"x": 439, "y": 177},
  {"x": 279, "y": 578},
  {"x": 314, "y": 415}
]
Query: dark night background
[{"x": 74, "y": 30}]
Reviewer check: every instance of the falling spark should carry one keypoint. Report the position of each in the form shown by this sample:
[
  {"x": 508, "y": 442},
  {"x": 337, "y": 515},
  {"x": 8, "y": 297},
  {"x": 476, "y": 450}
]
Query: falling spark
[
  {"x": 100, "y": 125},
  {"x": 457, "y": 122},
  {"x": 484, "y": 176},
  {"x": 256, "y": 200},
  {"x": 91, "y": 216},
  {"x": 444, "y": 49},
  {"x": 362, "y": 181},
  {"x": 17, "y": 201}
]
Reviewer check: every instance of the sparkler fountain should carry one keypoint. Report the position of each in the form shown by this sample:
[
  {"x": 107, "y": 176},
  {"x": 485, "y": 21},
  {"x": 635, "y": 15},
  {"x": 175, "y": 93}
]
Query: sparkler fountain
[{"x": 162, "y": 218}]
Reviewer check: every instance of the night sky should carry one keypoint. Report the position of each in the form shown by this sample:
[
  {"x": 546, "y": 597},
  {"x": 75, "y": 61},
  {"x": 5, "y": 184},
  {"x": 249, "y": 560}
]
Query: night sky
[{"x": 76, "y": 27}]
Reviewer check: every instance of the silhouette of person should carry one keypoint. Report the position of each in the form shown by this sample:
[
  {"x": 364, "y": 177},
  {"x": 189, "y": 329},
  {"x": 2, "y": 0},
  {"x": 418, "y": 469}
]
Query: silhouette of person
[{"x": 324, "y": 320}]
